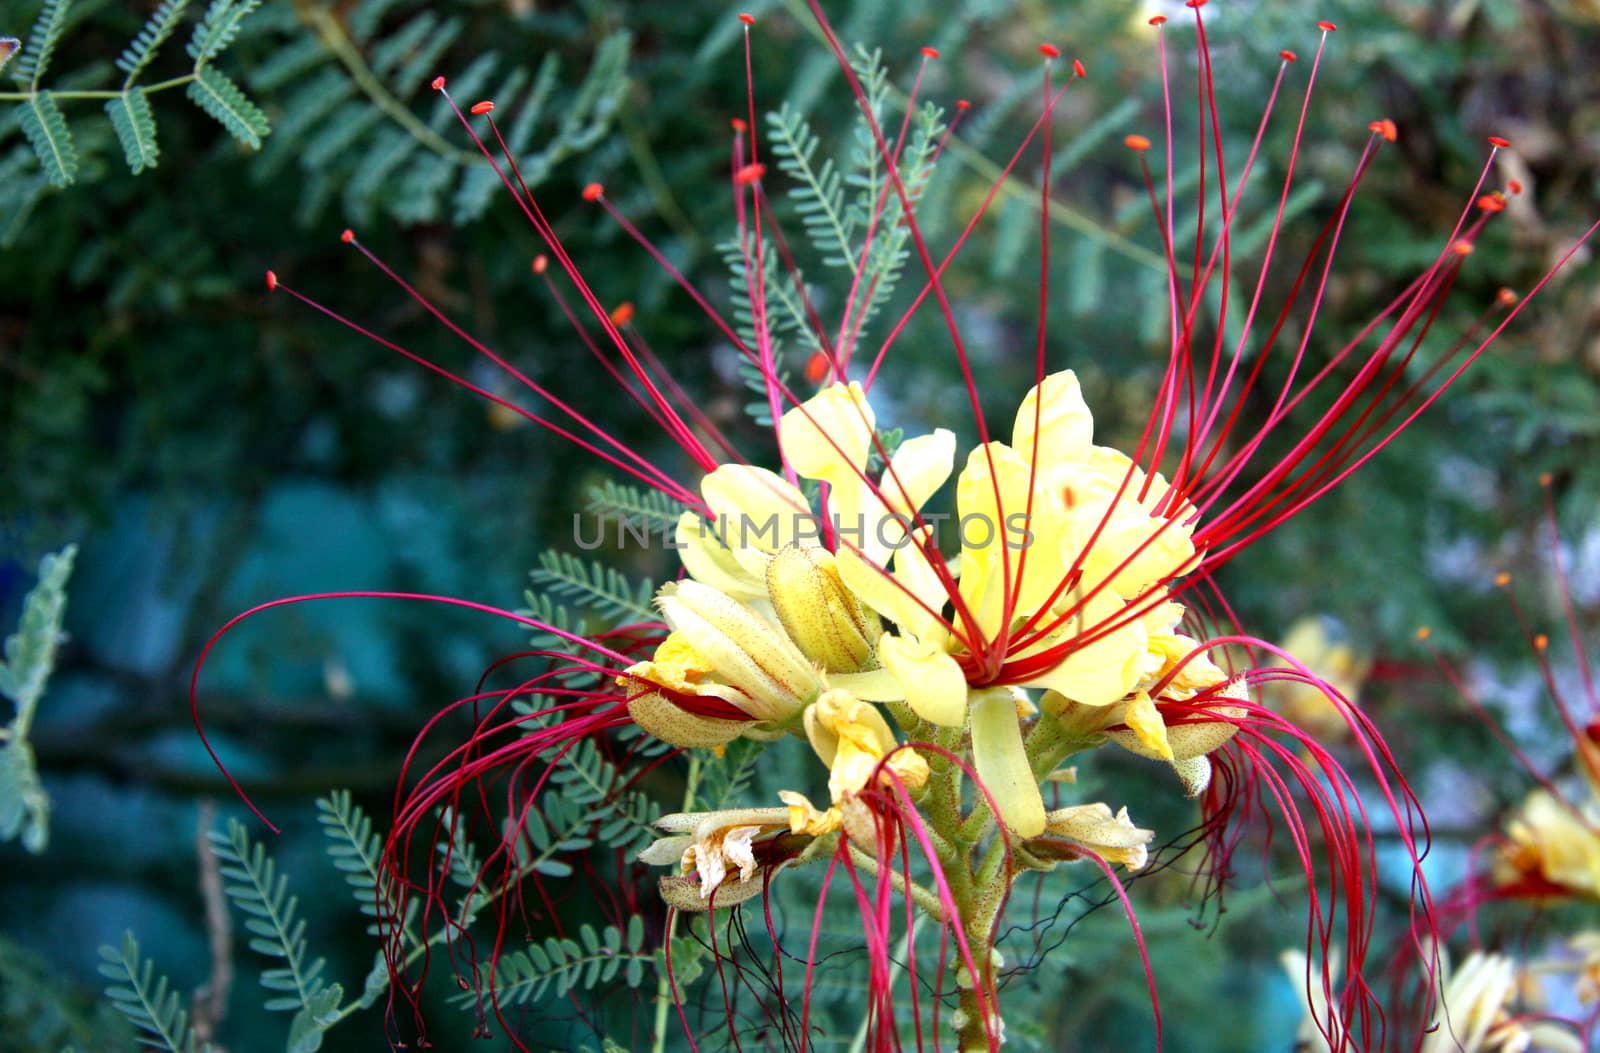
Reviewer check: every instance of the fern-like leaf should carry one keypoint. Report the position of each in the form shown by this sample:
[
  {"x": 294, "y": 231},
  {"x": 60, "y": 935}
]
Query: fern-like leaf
[
  {"x": 635, "y": 507},
  {"x": 818, "y": 195},
  {"x": 596, "y": 585},
  {"x": 135, "y": 125},
  {"x": 213, "y": 92},
  {"x": 47, "y": 133},
  {"x": 557, "y": 966},
  {"x": 154, "y": 33},
  {"x": 145, "y": 999},
  {"x": 41, "y": 43},
  {"x": 30, "y": 658},
  {"x": 252, "y": 882},
  {"x": 356, "y": 851},
  {"x": 218, "y": 28}
]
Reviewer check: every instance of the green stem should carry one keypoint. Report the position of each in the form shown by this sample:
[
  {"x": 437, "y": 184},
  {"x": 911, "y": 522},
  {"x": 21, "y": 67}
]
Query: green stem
[{"x": 70, "y": 96}]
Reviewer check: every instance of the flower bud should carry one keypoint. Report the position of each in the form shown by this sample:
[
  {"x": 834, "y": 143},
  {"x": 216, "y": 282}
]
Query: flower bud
[
  {"x": 742, "y": 650},
  {"x": 822, "y": 617},
  {"x": 1111, "y": 836}
]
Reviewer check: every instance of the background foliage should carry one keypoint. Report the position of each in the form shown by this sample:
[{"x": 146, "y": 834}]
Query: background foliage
[{"x": 210, "y": 447}]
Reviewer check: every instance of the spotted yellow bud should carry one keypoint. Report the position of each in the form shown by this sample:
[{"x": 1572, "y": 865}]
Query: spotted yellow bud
[
  {"x": 769, "y": 677},
  {"x": 670, "y": 722},
  {"x": 821, "y": 616}
]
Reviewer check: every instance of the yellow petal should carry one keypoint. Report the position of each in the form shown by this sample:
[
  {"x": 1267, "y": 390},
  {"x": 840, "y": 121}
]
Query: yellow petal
[
  {"x": 935, "y": 687},
  {"x": 804, "y": 818},
  {"x": 757, "y": 513},
  {"x": 708, "y": 560},
  {"x": 1104, "y": 670},
  {"x": 1110, "y": 835},
  {"x": 828, "y": 436},
  {"x": 917, "y": 470},
  {"x": 1002, "y": 763},
  {"x": 1145, "y": 720},
  {"x": 1055, "y": 411}
]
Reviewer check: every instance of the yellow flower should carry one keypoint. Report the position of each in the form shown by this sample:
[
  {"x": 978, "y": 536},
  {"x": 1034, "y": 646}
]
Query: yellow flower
[
  {"x": 852, "y": 738},
  {"x": 1475, "y": 1014},
  {"x": 719, "y": 651},
  {"x": 1551, "y": 850},
  {"x": 1317, "y": 644},
  {"x": 1063, "y": 548},
  {"x": 756, "y": 514}
]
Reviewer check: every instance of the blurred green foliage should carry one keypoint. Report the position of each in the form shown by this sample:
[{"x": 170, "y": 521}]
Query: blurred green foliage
[{"x": 213, "y": 447}]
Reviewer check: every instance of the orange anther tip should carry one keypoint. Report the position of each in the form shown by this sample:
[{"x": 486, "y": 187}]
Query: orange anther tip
[
  {"x": 622, "y": 314},
  {"x": 1545, "y": 478},
  {"x": 438, "y": 84},
  {"x": 1502, "y": 579},
  {"x": 749, "y": 174},
  {"x": 347, "y": 235},
  {"x": 930, "y": 53},
  {"x": 1514, "y": 185},
  {"x": 1462, "y": 248},
  {"x": 1496, "y": 141},
  {"x": 1197, "y": 4},
  {"x": 1507, "y": 297},
  {"x": 816, "y": 367},
  {"x": 272, "y": 280},
  {"x": 748, "y": 19},
  {"x": 540, "y": 263},
  {"x": 1326, "y": 27},
  {"x": 1541, "y": 642},
  {"x": 1136, "y": 142},
  {"x": 1424, "y": 632},
  {"x": 1492, "y": 203},
  {"x": 1077, "y": 67},
  {"x": 481, "y": 108},
  {"x": 963, "y": 104},
  {"x": 1158, "y": 20},
  {"x": 1288, "y": 56},
  {"x": 1049, "y": 51},
  {"x": 738, "y": 125},
  {"x": 1385, "y": 128},
  {"x": 593, "y": 192}
]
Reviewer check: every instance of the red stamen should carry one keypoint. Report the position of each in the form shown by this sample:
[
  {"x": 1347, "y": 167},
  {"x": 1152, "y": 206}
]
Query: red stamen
[
  {"x": 1158, "y": 20},
  {"x": 1326, "y": 27},
  {"x": 347, "y": 236},
  {"x": 540, "y": 263},
  {"x": 438, "y": 84},
  {"x": 1136, "y": 142},
  {"x": 593, "y": 192},
  {"x": 750, "y": 174},
  {"x": 1196, "y": 4},
  {"x": 1506, "y": 298},
  {"x": 817, "y": 367},
  {"x": 963, "y": 105},
  {"x": 1462, "y": 247},
  {"x": 748, "y": 19},
  {"x": 1077, "y": 68},
  {"x": 1288, "y": 56},
  {"x": 1049, "y": 51},
  {"x": 1494, "y": 202},
  {"x": 481, "y": 108},
  {"x": 272, "y": 281},
  {"x": 1514, "y": 185},
  {"x": 930, "y": 53},
  {"x": 622, "y": 314},
  {"x": 1498, "y": 143},
  {"x": 1385, "y": 128}
]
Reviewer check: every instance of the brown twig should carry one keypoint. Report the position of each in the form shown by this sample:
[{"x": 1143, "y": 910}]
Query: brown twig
[{"x": 211, "y": 999}]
